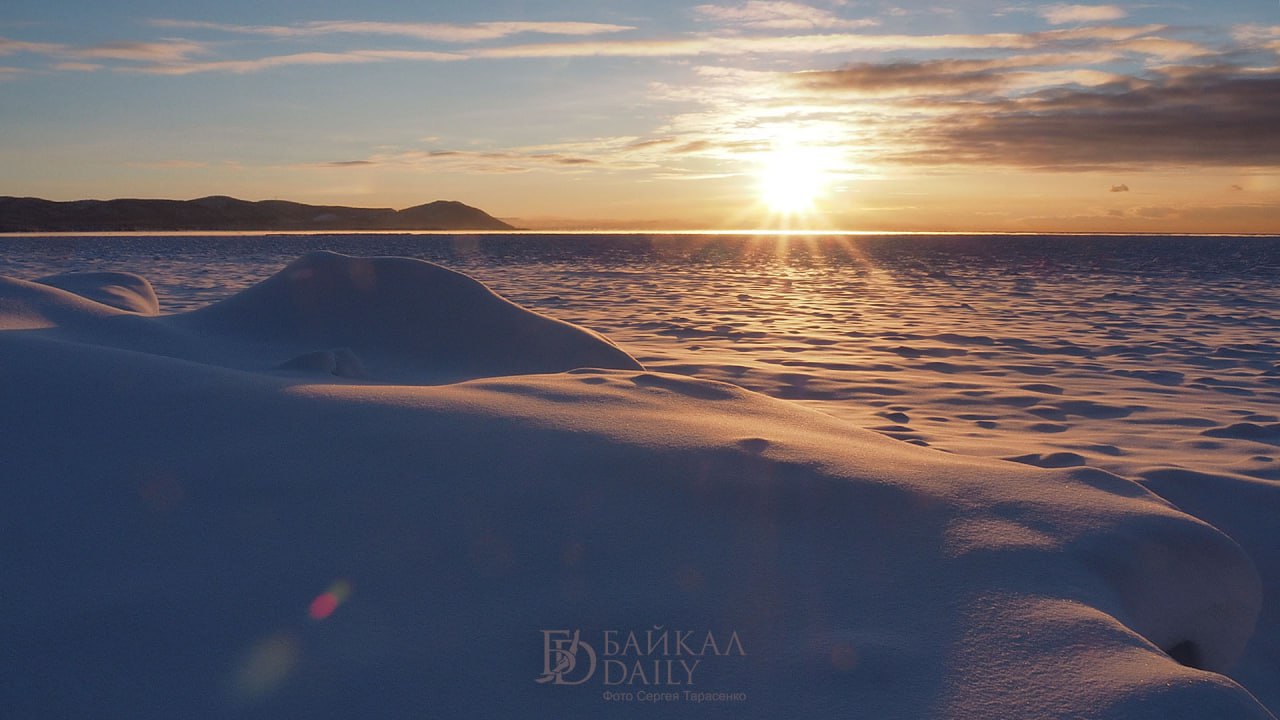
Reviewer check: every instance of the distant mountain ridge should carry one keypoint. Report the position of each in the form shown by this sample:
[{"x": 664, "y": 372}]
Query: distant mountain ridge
[{"x": 219, "y": 212}]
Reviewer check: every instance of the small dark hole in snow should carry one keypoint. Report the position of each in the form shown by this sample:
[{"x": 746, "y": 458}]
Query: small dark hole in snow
[{"x": 1186, "y": 653}]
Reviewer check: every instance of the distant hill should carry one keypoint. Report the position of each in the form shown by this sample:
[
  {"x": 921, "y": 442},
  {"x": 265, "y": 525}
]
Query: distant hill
[{"x": 226, "y": 213}]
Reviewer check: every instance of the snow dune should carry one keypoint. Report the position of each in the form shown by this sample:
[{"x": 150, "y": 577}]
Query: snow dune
[
  {"x": 366, "y": 487},
  {"x": 400, "y": 320}
]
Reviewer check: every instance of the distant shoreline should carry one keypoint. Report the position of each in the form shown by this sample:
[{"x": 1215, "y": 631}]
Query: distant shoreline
[{"x": 226, "y": 214}]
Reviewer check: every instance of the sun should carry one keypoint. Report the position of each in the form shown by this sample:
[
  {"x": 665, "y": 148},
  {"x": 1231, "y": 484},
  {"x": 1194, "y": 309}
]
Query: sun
[{"x": 791, "y": 178}]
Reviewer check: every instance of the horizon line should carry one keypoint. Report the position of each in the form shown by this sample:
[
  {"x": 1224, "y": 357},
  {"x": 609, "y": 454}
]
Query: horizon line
[{"x": 746, "y": 232}]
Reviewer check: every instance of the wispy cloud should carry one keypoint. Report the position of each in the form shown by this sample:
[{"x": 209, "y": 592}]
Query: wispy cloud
[
  {"x": 778, "y": 15},
  {"x": 1068, "y": 14},
  {"x": 822, "y": 44},
  {"x": 949, "y": 76},
  {"x": 163, "y": 51},
  {"x": 12, "y": 47},
  {"x": 1252, "y": 33},
  {"x": 186, "y": 57},
  {"x": 1258, "y": 36},
  {"x": 72, "y": 57},
  {"x": 1164, "y": 48},
  {"x": 724, "y": 46},
  {"x": 309, "y": 58},
  {"x": 441, "y": 32},
  {"x": 177, "y": 57},
  {"x": 494, "y": 162},
  {"x": 659, "y": 156}
]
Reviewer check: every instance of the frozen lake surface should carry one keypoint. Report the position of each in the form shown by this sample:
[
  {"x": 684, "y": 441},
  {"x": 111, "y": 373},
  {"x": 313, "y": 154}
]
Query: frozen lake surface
[{"x": 1153, "y": 358}]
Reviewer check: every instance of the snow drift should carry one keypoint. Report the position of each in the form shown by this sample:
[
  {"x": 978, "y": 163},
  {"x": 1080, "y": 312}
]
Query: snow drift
[
  {"x": 233, "y": 513},
  {"x": 396, "y": 319}
]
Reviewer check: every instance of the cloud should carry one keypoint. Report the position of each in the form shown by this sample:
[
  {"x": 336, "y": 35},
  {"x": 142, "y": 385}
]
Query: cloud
[
  {"x": 815, "y": 44},
  {"x": 160, "y": 51},
  {"x": 899, "y": 87},
  {"x": 1097, "y": 33},
  {"x": 177, "y": 57},
  {"x": 1065, "y": 14},
  {"x": 949, "y": 75},
  {"x": 661, "y": 156},
  {"x": 1083, "y": 77},
  {"x": 952, "y": 76},
  {"x": 650, "y": 143},
  {"x": 1163, "y": 48},
  {"x": 295, "y": 59},
  {"x": 1046, "y": 111},
  {"x": 505, "y": 162},
  {"x": 12, "y": 47},
  {"x": 164, "y": 51},
  {"x": 777, "y": 15},
  {"x": 715, "y": 45},
  {"x": 695, "y": 146},
  {"x": 1204, "y": 116},
  {"x": 1236, "y": 188},
  {"x": 1119, "y": 188},
  {"x": 185, "y": 57},
  {"x": 1266, "y": 31},
  {"x": 1258, "y": 36},
  {"x": 441, "y": 32}
]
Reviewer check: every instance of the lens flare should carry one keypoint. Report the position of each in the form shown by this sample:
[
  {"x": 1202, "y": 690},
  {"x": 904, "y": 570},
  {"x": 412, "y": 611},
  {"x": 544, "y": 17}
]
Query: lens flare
[
  {"x": 264, "y": 667},
  {"x": 326, "y": 602}
]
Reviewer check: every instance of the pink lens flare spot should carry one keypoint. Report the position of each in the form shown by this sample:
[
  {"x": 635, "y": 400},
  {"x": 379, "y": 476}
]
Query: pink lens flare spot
[
  {"x": 323, "y": 606},
  {"x": 326, "y": 602}
]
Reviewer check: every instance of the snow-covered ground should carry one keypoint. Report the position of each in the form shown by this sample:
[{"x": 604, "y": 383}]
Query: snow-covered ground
[{"x": 284, "y": 504}]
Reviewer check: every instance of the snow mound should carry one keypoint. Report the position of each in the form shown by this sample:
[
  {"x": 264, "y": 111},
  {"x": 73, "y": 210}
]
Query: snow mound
[
  {"x": 26, "y": 305},
  {"x": 121, "y": 290},
  {"x": 186, "y": 539},
  {"x": 389, "y": 320},
  {"x": 408, "y": 320}
]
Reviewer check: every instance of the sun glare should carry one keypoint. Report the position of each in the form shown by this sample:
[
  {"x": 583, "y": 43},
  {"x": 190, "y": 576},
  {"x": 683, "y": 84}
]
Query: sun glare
[{"x": 792, "y": 178}]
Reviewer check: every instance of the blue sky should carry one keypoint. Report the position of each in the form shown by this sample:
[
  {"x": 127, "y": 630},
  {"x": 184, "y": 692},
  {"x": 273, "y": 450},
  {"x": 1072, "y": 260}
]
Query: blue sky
[{"x": 968, "y": 115}]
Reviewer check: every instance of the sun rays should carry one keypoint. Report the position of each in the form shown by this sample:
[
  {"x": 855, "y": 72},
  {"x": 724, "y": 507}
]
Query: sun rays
[
  {"x": 794, "y": 176},
  {"x": 791, "y": 178}
]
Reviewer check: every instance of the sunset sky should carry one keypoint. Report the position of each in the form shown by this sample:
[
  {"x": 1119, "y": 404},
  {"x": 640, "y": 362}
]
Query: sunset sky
[{"x": 836, "y": 114}]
